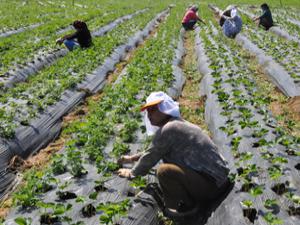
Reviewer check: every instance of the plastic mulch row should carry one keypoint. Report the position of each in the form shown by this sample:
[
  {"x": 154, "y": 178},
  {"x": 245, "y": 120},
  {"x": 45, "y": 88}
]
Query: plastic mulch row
[
  {"x": 276, "y": 30},
  {"x": 46, "y": 59},
  {"x": 43, "y": 130},
  {"x": 278, "y": 75},
  {"x": 230, "y": 210},
  {"x": 143, "y": 208},
  {"x": 9, "y": 33}
]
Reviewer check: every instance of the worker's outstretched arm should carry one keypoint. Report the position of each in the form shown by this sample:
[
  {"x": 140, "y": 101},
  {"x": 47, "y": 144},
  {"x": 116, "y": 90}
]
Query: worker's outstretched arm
[{"x": 202, "y": 21}]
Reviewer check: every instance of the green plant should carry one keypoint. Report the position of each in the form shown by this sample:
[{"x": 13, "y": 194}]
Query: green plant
[
  {"x": 138, "y": 182},
  {"x": 248, "y": 171},
  {"x": 75, "y": 162},
  {"x": 235, "y": 142},
  {"x": 270, "y": 203},
  {"x": 257, "y": 190},
  {"x": 293, "y": 197},
  {"x": 272, "y": 219},
  {"x": 275, "y": 172},
  {"x": 58, "y": 165},
  {"x": 113, "y": 210},
  {"x": 26, "y": 197},
  {"x": 23, "y": 221},
  {"x": 260, "y": 133},
  {"x": 120, "y": 148}
]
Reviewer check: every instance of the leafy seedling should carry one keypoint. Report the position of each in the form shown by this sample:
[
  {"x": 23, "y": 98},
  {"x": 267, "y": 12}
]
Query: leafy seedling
[
  {"x": 58, "y": 166},
  {"x": 23, "y": 221},
  {"x": 247, "y": 186},
  {"x": 248, "y": 210},
  {"x": 275, "y": 172},
  {"x": 93, "y": 195},
  {"x": 138, "y": 182},
  {"x": 272, "y": 204},
  {"x": 260, "y": 133},
  {"x": 256, "y": 190},
  {"x": 120, "y": 148},
  {"x": 113, "y": 210},
  {"x": 272, "y": 219},
  {"x": 80, "y": 199}
]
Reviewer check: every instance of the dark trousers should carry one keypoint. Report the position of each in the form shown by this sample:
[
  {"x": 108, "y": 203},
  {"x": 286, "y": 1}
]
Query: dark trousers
[
  {"x": 183, "y": 186},
  {"x": 189, "y": 25}
]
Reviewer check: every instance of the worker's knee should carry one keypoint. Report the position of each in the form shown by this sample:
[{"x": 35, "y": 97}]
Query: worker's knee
[
  {"x": 70, "y": 44},
  {"x": 168, "y": 170}
]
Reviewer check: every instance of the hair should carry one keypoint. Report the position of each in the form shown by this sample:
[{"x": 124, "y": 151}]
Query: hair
[
  {"x": 78, "y": 24},
  {"x": 265, "y": 6}
]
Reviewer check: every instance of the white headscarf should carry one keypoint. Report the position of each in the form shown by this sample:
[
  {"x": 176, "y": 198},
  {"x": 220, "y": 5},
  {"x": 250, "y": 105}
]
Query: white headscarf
[
  {"x": 233, "y": 12},
  {"x": 165, "y": 104}
]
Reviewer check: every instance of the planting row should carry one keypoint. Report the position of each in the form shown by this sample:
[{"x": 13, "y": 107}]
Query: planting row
[
  {"x": 41, "y": 131},
  {"x": 17, "y": 14},
  {"x": 19, "y": 50},
  {"x": 284, "y": 17},
  {"x": 48, "y": 58},
  {"x": 81, "y": 187},
  {"x": 285, "y": 53},
  {"x": 263, "y": 158},
  {"x": 20, "y": 104},
  {"x": 276, "y": 72}
]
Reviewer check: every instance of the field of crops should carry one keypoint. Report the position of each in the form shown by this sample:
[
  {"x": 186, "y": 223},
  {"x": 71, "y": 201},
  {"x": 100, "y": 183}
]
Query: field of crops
[{"x": 66, "y": 117}]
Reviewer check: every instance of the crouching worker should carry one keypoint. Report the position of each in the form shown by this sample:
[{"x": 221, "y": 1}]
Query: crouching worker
[
  {"x": 265, "y": 20},
  {"x": 82, "y": 35},
  {"x": 193, "y": 172},
  {"x": 230, "y": 22},
  {"x": 191, "y": 18}
]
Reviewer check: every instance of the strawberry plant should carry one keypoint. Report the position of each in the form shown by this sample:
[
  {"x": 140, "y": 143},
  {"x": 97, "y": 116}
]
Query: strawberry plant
[
  {"x": 23, "y": 221},
  {"x": 112, "y": 211},
  {"x": 272, "y": 219},
  {"x": 258, "y": 144},
  {"x": 119, "y": 149},
  {"x": 248, "y": 210}
]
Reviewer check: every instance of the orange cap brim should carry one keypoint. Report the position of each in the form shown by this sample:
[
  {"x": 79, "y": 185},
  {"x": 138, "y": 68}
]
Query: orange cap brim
[{"x": 149, "y": 104}]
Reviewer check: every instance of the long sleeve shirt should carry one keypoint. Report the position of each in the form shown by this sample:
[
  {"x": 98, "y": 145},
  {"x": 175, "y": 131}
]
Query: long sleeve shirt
[
  {"x": 83, "y": 37},
  {"x": 232, "y": 26},
  {"x": 266, "y": 17},
  {"x": 184, "y": 144}
]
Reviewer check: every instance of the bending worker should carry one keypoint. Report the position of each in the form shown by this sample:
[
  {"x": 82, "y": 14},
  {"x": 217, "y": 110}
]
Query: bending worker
[
  {"x": 230, "y": 22},
  {"x": 82, "y": 35},
  {"x": 193, "y": 172},
  {"x": 191, "y": 18},
  {"x": 265, "y": 19}
]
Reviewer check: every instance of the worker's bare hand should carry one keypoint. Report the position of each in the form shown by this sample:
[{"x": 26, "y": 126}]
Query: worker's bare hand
[
  {"x": 125, "y": 173},
  {"x": 125, "y": 159},
  {"x": 59, "y": 41}
]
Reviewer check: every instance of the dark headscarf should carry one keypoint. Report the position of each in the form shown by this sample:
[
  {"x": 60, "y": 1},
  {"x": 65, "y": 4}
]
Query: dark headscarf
[
  {"x": 265, "y": 6},
  {"x": 80, "y": 25}
]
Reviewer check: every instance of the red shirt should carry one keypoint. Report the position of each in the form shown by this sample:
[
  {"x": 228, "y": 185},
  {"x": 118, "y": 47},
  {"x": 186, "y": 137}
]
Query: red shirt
[{"x": 189, "y": 15}]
